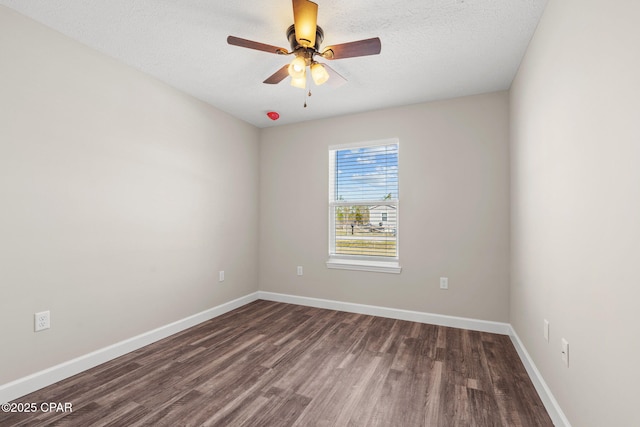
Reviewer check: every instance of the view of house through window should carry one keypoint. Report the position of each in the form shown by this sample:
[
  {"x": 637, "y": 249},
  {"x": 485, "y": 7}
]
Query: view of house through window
[{"x": 363, "y": 200}]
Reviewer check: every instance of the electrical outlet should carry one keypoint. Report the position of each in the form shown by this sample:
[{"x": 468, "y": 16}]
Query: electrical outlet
[
  {"x": 221, "y": 276},
  {"x": 300, "y": 272},
  {"x": 546, "y": 330},
  {"x": 444, "y": 283},
  {"x": 565, "y": 352},
  {"x": 42, "y": 321}
]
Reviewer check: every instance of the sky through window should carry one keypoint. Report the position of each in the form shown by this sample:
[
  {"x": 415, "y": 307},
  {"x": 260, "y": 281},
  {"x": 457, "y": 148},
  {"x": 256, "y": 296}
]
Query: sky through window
[{"x": 367, "y": 174}]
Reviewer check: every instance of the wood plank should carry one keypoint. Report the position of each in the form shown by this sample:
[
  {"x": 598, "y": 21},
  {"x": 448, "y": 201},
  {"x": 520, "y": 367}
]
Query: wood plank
[{"x": 275, "y": 364}]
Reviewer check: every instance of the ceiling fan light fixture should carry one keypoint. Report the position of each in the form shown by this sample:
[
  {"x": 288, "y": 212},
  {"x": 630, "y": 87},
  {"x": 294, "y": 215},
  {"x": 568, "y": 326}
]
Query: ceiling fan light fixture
[
  {"x": 297, "y": 67},
  {"x": 299, "y": 82},
  {"x": 319, "y": 73},
  {"x": 305, "y": 16}
]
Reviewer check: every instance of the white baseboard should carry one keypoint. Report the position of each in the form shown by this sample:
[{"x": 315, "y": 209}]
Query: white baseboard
[
  {"x": 392, "y": 313},
  {"x": 38, "y": 380},
  {"x": 550, "y": 403}
]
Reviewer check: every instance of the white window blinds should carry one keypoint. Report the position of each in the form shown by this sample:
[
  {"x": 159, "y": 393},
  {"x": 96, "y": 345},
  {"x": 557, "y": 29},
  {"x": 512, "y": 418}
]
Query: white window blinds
[{"x": 363, "y": 200}]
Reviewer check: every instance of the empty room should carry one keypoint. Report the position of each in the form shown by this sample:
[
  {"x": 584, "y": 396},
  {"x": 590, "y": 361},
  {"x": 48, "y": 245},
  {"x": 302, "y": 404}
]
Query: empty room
[{"x": 296, "y": 213}]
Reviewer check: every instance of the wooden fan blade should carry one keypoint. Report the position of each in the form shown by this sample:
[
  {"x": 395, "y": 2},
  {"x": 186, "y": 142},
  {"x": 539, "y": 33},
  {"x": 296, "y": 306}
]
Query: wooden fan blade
[
  {"x": 335, "y": 79},
  {"x": 237, "y": 41},
  {"x": 305, "y": 21},
  {"x": 278, "y": 76},
  {"x": 353, "y": 49}
]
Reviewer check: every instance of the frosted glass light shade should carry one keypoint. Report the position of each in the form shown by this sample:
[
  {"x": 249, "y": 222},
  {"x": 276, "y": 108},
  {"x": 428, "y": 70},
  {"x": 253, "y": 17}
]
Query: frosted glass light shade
[
  {"x": 300, "y": 82},
  {"x": 319, "y": 74},
  {"x": 297, "y": 67}
]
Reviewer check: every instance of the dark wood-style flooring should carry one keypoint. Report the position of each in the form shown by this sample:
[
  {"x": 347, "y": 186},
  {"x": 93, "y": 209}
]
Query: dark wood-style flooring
[{"x": 274, "y": 364}]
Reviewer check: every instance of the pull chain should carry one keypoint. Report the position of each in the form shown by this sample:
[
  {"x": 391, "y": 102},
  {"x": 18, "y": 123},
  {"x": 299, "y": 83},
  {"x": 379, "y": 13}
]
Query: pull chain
[{"x": 305, "y": 99}]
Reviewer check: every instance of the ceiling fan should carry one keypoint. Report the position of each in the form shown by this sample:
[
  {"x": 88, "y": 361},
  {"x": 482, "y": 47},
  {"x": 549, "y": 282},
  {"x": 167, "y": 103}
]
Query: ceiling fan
[{"x": 305, "y": 37}]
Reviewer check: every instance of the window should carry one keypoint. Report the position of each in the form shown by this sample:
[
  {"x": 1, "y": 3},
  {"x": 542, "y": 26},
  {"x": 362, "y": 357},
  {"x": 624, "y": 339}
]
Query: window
[{"x": 363, "y": 206}]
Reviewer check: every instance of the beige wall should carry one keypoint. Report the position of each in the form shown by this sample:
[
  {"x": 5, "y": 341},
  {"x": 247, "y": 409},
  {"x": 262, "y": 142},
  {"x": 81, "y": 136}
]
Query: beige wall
[
  {"x": 575, "y": 130},
  {"x": 120, "y": 198},
  {"x": 454, "y": 208}
]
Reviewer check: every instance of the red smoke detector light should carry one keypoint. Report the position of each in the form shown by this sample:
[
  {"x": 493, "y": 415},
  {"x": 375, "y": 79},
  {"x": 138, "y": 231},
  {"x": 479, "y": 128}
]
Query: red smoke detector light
[{"x": 273, "y": 115}]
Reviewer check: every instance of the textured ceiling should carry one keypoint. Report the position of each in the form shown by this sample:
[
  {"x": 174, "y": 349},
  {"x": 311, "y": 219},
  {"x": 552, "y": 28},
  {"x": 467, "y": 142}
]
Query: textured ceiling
[{"x": 431, "y": 49}]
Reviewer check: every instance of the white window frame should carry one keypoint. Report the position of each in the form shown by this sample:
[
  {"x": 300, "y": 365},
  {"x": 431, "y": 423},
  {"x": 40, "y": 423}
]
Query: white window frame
[{"x": 359, "y": 262}]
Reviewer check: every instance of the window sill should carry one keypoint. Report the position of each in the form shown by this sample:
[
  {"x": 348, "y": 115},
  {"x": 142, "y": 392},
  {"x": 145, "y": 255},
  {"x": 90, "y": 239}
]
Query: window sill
[{"x": 363, "y": 265}]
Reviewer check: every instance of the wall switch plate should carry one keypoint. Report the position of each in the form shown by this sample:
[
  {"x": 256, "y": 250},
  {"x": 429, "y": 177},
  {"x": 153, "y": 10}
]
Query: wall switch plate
[
  {"x": 42, "y": 321},
  {"x": 444, "y": 283},
  {"x": 565, "y": 352},
  {"x": 300, "y": 272},
  {"x": 221, "y": 276},
  {"x": 546, "y": 330}
]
